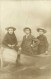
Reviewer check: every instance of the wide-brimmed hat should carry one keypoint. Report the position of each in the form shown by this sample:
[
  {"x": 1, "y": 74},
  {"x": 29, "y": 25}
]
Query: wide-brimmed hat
[
  {"x": 11, "y": 28},
  {"x": 27, "y": 28},
  {"x": 38, "y": 29}
]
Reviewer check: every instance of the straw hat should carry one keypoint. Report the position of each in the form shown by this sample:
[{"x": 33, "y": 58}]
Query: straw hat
[
  {"x": 11, "y": 28},
  {"x": 38, "y": 29}
]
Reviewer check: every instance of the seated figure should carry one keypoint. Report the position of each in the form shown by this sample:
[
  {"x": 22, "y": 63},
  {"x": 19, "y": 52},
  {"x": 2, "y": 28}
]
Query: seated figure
[
  {"x": 30, "y": 43},
  {"x": 9, "y": 44},
  {"x": 43, "y": 45}
]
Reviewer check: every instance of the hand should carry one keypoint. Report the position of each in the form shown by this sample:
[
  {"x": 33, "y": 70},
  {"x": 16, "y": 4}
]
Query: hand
[
  {"x": 9, "y": 45},
  {"x": 46, "y": 52},
  {"x": 31, "y": 45},
  {"x": 12, "y": 45},
  {"x": 20, "y": 48}
]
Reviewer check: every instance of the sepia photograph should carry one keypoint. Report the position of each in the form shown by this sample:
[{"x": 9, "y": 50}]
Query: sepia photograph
[{"x": 25, "y": 39}]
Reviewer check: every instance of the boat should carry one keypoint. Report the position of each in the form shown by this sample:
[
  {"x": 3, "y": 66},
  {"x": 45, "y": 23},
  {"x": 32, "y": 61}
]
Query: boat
[{"x": 10, "y": 56}]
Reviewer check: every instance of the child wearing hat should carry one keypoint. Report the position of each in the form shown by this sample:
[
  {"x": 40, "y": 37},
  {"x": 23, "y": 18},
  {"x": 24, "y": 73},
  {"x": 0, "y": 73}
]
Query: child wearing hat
[
  {"x": 43, "y": 45},
  {"x": 10, "y": 40},
  {"x": 29, "y": 43}
]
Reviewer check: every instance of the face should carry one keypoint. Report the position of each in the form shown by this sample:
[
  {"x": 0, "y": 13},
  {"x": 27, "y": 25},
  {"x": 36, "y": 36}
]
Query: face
[
  {"x": 10, "y": 31},
  {"x": 41, "y": 32},
  {"x": 27, "y": 31}
]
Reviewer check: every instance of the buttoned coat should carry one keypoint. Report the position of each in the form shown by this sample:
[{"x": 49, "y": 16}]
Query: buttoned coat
[
  {"x": 26, "y": 45},
  {"x": 43, "y": 45}
]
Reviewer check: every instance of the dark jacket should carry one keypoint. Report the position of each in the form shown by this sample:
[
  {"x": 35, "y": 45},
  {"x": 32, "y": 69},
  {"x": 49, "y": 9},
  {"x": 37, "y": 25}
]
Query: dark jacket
[
  {"x": 9, "y": 39},
  {"x": 43, "y": 45},
  {"x": 26, "y": 45}
]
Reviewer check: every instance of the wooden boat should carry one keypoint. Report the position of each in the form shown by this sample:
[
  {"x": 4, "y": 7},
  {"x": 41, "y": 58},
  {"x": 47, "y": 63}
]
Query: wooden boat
[{"x": 10, "y": 56}]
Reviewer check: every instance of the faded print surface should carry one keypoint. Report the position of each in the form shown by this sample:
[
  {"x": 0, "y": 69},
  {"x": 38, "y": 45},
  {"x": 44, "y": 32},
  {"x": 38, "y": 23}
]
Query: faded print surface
[{"x": 31, "y": 14}]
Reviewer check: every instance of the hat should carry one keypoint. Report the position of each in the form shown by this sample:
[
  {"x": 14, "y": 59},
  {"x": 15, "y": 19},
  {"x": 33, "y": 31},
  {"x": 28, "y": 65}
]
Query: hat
[
  {"x": 27, "y": 28},
  {"x": 11, "y": 28},
  {"x": 41, "y": 29}
]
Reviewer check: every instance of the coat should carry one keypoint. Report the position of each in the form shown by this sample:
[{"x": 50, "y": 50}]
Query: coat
[
  {"x": 10, "y": 39},
  {"x": 43, "y": 45},
  {"x": 26, "y": 45}
]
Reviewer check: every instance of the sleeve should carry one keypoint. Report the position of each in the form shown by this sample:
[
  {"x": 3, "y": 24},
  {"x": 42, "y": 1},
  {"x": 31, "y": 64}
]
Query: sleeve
[
  {"x": 46, "y": 44},
  {"x": 16, "y": 42},
  {"x": 5, "y": 41},
  {"x": 35, "y": 41}
]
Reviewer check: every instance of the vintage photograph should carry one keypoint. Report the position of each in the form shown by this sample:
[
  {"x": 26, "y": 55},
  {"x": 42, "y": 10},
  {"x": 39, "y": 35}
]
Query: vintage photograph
[{"x": 25, "y": 39}]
